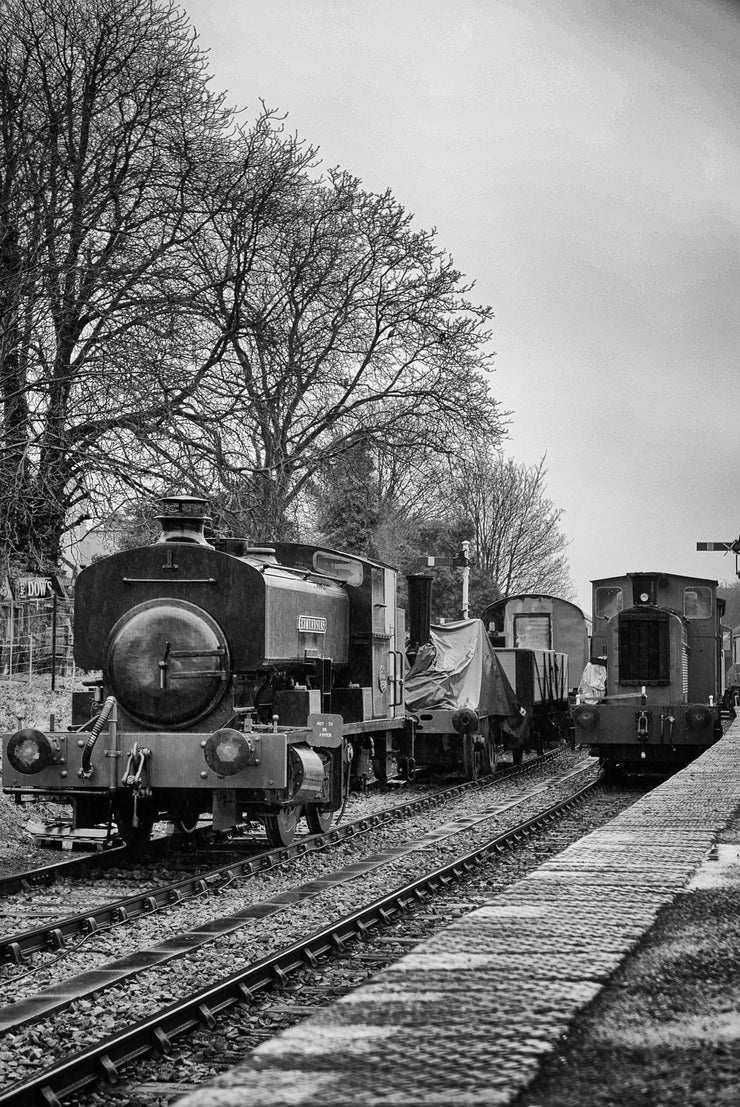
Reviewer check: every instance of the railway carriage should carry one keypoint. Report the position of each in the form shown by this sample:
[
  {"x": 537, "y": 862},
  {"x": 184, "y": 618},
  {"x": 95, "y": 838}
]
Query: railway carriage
[{"x": 660, "y": 639}]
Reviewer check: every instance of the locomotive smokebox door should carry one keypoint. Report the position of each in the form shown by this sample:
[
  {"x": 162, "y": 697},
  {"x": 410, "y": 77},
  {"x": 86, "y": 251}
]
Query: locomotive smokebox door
[{"x": 168, "y": 660}]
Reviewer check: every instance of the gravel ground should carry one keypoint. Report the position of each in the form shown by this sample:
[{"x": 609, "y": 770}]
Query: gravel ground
[
  {"x": 19, "y": 1051},
  {"x": 482, "y": 804},
  {"x": 196, "y": 1060},
  {"x": 665, "y": 1031}
]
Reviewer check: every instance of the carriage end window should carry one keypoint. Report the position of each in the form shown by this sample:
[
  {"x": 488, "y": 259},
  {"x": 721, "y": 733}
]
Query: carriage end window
[{"x": 533, "y": 632}]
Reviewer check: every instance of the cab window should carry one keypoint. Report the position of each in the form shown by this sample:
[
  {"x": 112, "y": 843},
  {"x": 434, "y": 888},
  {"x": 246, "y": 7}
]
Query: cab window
[
  {"x": 341, "y": 568},
  {"x": 608, "y": 602},
  {"x": 697, "y": 602}
]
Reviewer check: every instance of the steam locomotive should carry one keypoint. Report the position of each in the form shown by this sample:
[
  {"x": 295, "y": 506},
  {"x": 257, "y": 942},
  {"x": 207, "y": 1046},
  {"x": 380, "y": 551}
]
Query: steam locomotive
[
  {"x": 241, "y": 681},
  {"x": 657, "y": 637}
]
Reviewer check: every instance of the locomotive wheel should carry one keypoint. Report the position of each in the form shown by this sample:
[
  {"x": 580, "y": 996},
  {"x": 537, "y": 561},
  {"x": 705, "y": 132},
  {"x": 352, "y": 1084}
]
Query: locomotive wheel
[
  {"x": 282, "y": 825},
  {"x": 517, "y": 755},
  {"x": 473, "y": 757},
  {"x": 318, "y": 819},
  {"x": 123, "y": 813},
  {"x": 490, "y": 754}
]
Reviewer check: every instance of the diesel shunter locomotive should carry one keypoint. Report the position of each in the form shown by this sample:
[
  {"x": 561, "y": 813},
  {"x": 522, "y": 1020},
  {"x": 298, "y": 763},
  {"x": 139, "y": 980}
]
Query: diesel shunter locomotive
[
  {"x": 233, "y": 681},
  {"x": 658, "y": 636}
]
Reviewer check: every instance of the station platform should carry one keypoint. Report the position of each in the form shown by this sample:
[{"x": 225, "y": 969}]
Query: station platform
[{"x": 469, "y": 1016}]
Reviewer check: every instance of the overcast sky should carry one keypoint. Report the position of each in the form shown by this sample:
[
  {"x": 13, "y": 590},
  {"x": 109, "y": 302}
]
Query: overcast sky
[{"x": 581, "y": 162}]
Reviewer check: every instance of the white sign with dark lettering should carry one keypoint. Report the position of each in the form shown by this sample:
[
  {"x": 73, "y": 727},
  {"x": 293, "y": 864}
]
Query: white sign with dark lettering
[
  {"x": 325, "y": 730},
  {"x": 311, "y": 624},
  {"x": 33, "y": 588}
]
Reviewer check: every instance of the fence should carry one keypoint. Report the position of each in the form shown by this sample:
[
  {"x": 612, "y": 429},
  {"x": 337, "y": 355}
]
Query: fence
[{"x": 36, "y": 637}]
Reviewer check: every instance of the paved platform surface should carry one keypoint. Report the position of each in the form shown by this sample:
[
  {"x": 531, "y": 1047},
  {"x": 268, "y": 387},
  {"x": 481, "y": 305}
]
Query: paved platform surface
[{"x": 467, "y": 1017}]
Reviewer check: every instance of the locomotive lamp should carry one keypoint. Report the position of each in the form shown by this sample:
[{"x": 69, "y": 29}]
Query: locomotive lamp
[
  {"x": 228, "y": 751},
  {"x": 29, "y": 751}
]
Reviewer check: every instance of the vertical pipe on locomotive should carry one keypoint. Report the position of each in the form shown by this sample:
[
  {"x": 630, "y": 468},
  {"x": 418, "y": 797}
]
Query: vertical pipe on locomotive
[{"x": 420, "y": 611}]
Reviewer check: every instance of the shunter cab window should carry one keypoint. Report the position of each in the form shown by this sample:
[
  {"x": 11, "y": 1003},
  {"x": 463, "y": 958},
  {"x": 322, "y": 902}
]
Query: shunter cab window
[
  {"x": 533, "y": 632},
  {"x": 608, "y": 602},
  {"x": 697, "y": 602}
]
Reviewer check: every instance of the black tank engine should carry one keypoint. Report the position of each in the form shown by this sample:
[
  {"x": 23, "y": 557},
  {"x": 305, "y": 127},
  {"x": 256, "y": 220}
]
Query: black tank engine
[{"x": 235, "y": 681}]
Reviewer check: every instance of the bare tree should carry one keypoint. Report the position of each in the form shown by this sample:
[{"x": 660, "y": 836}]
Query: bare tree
[
  {"x": 185, "y": 301},
  {"x": 516, "y": 528},
  {"x": 109, "y": 133},
  {"x": 343, "y": 326}
]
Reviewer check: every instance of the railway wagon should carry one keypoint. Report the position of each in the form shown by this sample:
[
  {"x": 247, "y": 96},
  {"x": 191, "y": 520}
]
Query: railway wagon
[
  {"x": 660, "y": 640},
  {"x": 532, "y": 621},
  {"x": 540, "y": 681},
  {"x": 235, "y": 681},
  {"x": 463, "y": 705},
  {"x": 542, "y": 643}
]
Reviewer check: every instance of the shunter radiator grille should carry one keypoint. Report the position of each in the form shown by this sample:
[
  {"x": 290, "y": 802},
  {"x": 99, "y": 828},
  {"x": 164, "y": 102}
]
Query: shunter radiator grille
[{"x": 643, "y": 647}]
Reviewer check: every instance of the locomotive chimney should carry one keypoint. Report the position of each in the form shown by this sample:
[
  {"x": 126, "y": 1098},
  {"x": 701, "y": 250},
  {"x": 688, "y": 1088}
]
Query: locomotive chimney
[
  {"x": 183, "y": 519},
  {"x": 420, "y": 611}
]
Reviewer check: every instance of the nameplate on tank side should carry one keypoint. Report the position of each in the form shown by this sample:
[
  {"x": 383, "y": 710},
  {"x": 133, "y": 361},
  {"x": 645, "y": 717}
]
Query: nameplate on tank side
[{"x": 311, "y": 624}]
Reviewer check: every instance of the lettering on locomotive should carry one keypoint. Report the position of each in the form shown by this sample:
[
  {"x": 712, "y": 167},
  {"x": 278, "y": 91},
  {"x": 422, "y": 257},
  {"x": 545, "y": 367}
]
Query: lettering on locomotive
[{"x": 311, "y": 624}]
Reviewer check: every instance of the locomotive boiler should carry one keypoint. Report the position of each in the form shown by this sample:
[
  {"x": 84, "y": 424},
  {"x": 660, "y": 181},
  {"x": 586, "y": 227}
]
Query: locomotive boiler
[
  {"x": 232, "y": 681},
  {"x": 658, "y": 636}
]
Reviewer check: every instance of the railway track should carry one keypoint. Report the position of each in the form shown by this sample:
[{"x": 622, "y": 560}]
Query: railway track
[
  {"x": 407, "y": 859},
  {"x": 246, "y": 857}
]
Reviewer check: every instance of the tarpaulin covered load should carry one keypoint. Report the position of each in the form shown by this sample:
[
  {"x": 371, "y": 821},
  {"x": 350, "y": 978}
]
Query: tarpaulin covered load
[
  {"x": 459, "y": 668},
  {"x": 592, "y": 685}
]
